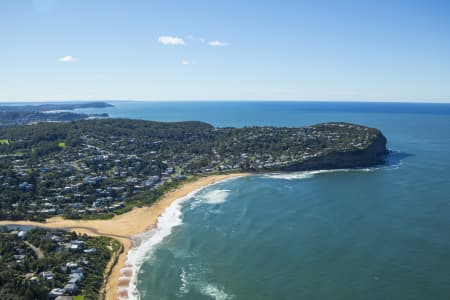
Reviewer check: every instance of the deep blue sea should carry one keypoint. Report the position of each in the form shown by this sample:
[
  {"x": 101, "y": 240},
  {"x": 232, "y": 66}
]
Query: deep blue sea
[{"x": 380, "y": 233}]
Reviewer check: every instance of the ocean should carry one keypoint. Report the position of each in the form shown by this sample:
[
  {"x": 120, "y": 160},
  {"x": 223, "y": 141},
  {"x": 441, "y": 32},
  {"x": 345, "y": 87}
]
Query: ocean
[{"x": 376, "y": 233}]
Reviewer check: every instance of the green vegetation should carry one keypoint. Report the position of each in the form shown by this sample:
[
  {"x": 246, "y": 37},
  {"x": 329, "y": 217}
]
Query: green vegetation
[
  {"x": 24, "y": 276},
  {"x": 95, "y": 169},
  {"x": 115, "y": 245}
]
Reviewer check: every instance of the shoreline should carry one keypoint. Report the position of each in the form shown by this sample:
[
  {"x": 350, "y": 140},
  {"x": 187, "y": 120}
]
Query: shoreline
[{"x": 123, "y": 227}]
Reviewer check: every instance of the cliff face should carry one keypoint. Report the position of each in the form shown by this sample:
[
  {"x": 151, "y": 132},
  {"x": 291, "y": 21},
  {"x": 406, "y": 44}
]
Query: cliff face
[{"x": 371, "y": 155}]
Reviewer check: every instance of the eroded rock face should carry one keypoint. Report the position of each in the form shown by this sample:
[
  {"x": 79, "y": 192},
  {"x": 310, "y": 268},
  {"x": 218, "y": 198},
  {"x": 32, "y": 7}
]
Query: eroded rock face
[{"x": 373, "y": 154}]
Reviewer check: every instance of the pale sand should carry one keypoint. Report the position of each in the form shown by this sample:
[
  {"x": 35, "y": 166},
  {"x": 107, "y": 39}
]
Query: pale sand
[{"x": 123, "y": 227}]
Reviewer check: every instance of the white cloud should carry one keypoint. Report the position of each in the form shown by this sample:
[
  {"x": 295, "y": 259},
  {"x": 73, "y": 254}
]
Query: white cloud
[
  {"x": 67, "y": 58},
  {"x": 217, "y": 44},
  {"x": 171, "y": 40},
  {"x": 185, "y": 62}
]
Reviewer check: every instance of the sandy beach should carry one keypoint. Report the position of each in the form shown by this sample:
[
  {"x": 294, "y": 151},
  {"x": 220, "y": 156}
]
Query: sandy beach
[{"x": 123, "y": 227}]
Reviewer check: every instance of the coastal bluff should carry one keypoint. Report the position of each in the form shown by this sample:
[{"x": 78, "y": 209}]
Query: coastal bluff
[{"x": 371, "y": 152}]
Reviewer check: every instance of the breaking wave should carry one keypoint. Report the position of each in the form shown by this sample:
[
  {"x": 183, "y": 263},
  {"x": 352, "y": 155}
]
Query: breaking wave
[
  {"x": 184, "y": 288},
  {"x": 215, "y": 196},
  {"x": 146, "y": 241},
  {"x": 172, "y": 217},
  {"x": 215, "y": 292},
  {"x": 195, "y": 280},
  {"x": 393, "y": 161},
  {"x": 310, "y": 174}
]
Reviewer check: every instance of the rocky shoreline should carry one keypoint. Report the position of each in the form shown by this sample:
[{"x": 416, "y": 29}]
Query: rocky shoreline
[{"x": 372, "y": 155}]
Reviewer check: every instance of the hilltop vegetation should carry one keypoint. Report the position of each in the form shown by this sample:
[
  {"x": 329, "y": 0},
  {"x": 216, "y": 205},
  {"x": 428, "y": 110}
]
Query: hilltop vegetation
[{"x": 95, "y": 168}]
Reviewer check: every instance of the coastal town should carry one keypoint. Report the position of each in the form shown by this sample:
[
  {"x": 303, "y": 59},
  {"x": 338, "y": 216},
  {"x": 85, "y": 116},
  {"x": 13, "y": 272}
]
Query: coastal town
[
  {"x": 81, "y": 176},
  {"x": 98, "y": 168},
  {"x": 52, "y": 264},
  {"x": 224, "y": 150}
]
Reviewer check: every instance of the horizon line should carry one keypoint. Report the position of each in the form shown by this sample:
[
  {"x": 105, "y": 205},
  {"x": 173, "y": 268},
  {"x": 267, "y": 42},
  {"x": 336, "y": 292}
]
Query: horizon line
[{"x": 230, "y": 100}]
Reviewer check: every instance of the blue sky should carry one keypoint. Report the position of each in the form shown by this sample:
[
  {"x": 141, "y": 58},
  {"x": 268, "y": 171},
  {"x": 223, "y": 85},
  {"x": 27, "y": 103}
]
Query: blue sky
[{"x": 219, "y": 50}]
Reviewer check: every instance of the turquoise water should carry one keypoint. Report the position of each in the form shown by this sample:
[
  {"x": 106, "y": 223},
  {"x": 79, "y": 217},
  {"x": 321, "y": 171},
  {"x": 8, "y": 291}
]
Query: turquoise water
[{"x": 380, "y": 233}]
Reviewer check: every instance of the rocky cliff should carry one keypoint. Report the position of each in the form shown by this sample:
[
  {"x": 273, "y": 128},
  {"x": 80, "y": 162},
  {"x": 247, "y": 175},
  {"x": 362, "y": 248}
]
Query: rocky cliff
[{"x": 374, "y": 153}]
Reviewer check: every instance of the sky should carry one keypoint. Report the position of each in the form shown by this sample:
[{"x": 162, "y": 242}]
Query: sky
[{"x": 225, "y": 50}]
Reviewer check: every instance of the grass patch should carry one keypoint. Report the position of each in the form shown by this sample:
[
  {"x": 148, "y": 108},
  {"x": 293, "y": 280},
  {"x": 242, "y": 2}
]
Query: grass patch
[
  {"x": 62, "y": 145},
  {"x": 94, "y": 216},
  {"x": 78, "y": 297},
  {"x": 4, "y": 142},
  {"x": 115, "y": 246}
]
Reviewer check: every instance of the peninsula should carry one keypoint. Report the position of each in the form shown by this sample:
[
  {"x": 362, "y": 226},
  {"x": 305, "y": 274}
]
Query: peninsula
[
  {"x": 75, "y": 175},
  {"x": 97, "y": 168}
]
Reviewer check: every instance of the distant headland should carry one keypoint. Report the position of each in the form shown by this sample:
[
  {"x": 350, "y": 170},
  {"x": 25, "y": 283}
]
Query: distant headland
[{"x": 49, "y": 112}]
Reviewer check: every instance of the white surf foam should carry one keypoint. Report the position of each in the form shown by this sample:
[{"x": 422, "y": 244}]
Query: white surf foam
[
  {"x": 184, "y": 288},
  {"x": 212, "y": 197},
  {"x": 194, "y": 279},
  {"x": 215, "y": 196},
  {"x": 146, "y": 241},
  {"x": 310, "y": 174},
  {"x": 171, "y": 217},
  {"x": 215, "y": 292}
]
